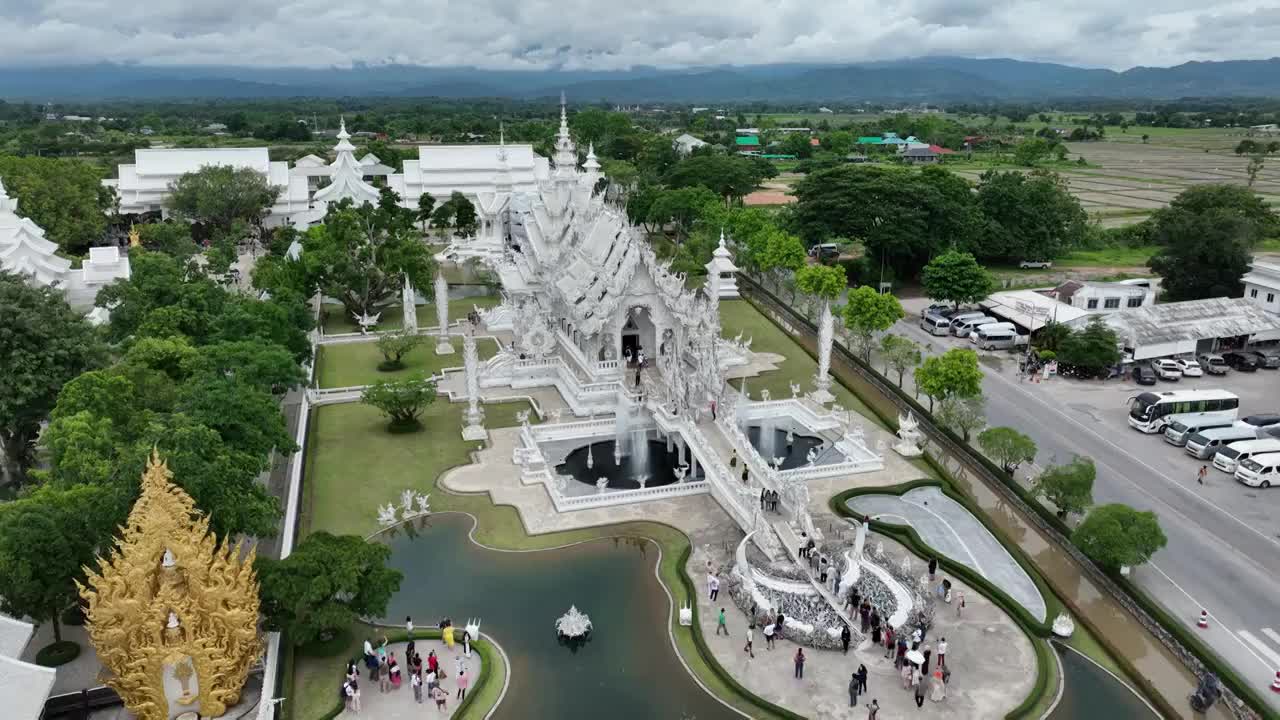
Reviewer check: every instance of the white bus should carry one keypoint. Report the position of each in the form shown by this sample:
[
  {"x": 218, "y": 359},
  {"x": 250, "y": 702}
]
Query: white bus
[{"x": 1151, "y": 412}]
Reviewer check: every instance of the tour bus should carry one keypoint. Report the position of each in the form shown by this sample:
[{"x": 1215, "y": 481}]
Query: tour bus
[
  {"x": 973, "y": 334},
  {"x": 1227, "y": 459},
  {"x": 962, "y": 328},
  {"x": 999, "y": 338},
  {"x": 1207, "y": 443},
  {"x": 1261, "y": 470},
  {"x": 1151, "y": 412},
  {"x": 935, "y": 325}
]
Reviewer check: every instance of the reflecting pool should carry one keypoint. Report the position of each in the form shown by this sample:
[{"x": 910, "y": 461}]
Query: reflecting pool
[
  {"x": 1092, "y": 693},
  {"x": 772, "y": 442},
  {"x": 654, "y": 463}
]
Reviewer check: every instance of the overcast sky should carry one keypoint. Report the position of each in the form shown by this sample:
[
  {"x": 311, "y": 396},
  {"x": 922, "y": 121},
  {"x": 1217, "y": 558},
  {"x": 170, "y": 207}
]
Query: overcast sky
[{"x": 612, "y": 34}]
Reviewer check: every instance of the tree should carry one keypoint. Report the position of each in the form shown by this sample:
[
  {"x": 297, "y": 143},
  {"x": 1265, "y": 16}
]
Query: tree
[
  {"x": 956, "y": 277},
  {"x": 1116, "y": 536},
  {"x": 46, "y": 540},
  {"x": 963, "y": 414},
  {"x": 65, "y": 197},
  {"x": 1007, "y": 446},
  {"x": 1052, "y": 336},
  {"x": 426, "y": 205},
  {"x": 172, "y": 238},
  {"x": 1145, "y": 137},
  {"x": 900, "y": 353},
  {"x": 402, "y": 401},
  {"x": 797, "y": 144},
  {"x": 1030, "y": 216},
  {"x": 867, "y": 312},
  {"x": 954, "y": 373},
  {"x": 264, "y": 365},
  {"x": 1094, "y": 347},
  {"x": 464, "y": 214},
  {"x": 783, "y": 254},
  {"x": 821, "y": 281},
  {"x": 1069, "y": 487},
  {"x": 1246, "y": 147},
  {"x": 681, "y": 207},
  {"x": 219, "y": 195},
  {"x": 1202, "y": 255},
  {"x": 45, "y": 344},
  {"x": 325, "y": 585},
  {"x": 1256, "y": 163},
  {"x": 394, "y": 346},
  {"x": 1031, "y": 151},
  {"x": 728, "y": 176}
]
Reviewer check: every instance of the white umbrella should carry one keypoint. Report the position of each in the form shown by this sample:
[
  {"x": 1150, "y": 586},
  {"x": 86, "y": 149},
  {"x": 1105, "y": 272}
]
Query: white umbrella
[{"x": 915, "y": 656}]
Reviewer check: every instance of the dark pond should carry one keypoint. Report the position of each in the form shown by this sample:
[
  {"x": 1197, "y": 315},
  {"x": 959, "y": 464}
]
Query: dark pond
[
  {"x": 627, "y": 670},
  {"x": 1092, "y": 693},
  {"x": 657, "y": 465},
  {"x": 771, "y": 442}
]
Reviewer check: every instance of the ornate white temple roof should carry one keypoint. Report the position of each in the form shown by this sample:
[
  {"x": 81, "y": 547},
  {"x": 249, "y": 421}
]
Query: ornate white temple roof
[
  {"x": 23, "y": 247},
  {"x": 721, "y": 258},
  {"x": 347, "y": 176}
]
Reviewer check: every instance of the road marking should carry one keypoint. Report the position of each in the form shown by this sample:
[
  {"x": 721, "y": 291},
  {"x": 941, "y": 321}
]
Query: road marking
[
  {"x": 1273, "y": 635},
  {"x": 1262, "y": 647}
]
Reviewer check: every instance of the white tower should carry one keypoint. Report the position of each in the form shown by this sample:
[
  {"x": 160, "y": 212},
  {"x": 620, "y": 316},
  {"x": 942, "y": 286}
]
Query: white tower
[
  {"x": 722, "y": 274},
  {"x": 592, "y": 167}
]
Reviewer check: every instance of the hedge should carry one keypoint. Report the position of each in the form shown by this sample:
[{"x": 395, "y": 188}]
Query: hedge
[{"x": 906, "y": 535}]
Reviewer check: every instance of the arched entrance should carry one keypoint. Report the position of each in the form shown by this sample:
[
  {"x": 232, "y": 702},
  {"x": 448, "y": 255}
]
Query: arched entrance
[{"x": 638, "y": 333}]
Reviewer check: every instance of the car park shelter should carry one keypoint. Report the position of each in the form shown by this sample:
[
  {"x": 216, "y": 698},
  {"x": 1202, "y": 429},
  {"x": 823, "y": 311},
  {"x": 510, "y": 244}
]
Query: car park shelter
[
  {"x": 1030, "y": 310},
  {"x": 1192, "y": 327}
]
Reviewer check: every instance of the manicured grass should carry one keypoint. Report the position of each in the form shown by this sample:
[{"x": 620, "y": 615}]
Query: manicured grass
[
  {"x": 337, "y": 321},
  {"x": 798, "y": 367},
  {"x": 348, "y": 364},
  {"x": 1269, "y": 245},
  {"x": 1123, "y": 256}
]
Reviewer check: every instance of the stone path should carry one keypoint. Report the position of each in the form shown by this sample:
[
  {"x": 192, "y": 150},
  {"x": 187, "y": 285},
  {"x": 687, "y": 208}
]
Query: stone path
[
  {"x": 950, "y": 529},
  {"x": 398, "y": 704}
]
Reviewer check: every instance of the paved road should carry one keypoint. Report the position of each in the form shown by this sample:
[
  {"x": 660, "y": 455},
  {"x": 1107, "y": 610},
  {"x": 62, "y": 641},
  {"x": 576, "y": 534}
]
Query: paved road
[{"x": 1218, "y": 559}]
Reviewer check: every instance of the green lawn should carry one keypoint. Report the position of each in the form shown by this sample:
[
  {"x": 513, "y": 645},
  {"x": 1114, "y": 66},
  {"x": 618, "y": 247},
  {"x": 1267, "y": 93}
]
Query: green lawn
[
  {"x": 799, "y": 367},
  {"x": 356, "y": 363},
  {"x": 1105, "y": 257},
  {"x": 337, "y": 321}
]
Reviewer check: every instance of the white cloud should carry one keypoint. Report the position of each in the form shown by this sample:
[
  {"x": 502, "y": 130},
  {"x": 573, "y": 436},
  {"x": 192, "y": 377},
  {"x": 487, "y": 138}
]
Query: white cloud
[{"x": 590, "y": 34}]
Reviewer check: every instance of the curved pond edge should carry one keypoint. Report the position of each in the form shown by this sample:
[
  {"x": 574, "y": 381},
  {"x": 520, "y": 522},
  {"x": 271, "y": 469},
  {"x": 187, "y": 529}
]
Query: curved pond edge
[{"x": 1057, "y": 644}]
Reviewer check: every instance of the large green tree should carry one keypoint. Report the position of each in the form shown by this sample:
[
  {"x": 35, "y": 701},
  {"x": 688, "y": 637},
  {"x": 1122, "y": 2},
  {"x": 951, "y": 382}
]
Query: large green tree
[
  {"x": 1029, "y": 216},
  {"x": 325, "y": 585},
  {"x": 956, "y": 277},
  {"x": 65, "y": 197},
  {"x": 963, "y": 415},
  {"x": 1116, "y": 536},
  {"x": 402, "y": 401},
  {"x": 954, "y": 373},
  {"x": 821, "y": 281},
  {"x": 217, "y": 196},
  {"x": 1069, "y": 487},
  {"x": 171, "y": 238},
  {"x": 1007, "y": 446},
  {"x": 681, "y": 208},
  {"x": 867, "y": 312},
  {"x": 43, "y": 345},
  {"x": 1095, "y": 347},
  {"x": 1202, "y": 255},
  {"x": 728, "y": 176}
]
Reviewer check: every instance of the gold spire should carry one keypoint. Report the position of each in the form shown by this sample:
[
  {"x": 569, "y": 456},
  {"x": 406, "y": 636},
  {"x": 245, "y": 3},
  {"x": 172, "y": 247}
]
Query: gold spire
[
  {"x": 135, "y": 240},
  {"x": 171, "y": 603}
]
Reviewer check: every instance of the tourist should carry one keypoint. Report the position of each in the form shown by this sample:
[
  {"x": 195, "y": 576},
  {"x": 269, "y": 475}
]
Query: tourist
[
  {"x": 777, "y": 631},
  {"x": 799, "y": 663},
  {"x": 873, "y": 709},
  {"x": 924, "y": 667},
  {"x": 768, "y": 636},
  {"x": 408, "y": 629},
  {"x": 938, "y": 687},
  {"x": 409, "y": 652},
  {"x": 355, "y": 695},
  {"x": 862, "y": 678},
  {"x": 902, "y": 652},
  {"x": 416, "y": 683},
  {"x": 466, "y": 643},
  {"x": 875, "y": 619},
  {"x": 744, "y": 473},
  {"x": 764, "y": 495},
  {"x": 720, "y": 624},
  {"x": 384, "y": 676},
  {"x": 905, "y": 673},
  {"x": 875, "y": 634},
  {"x": 431, "y": 681},
  {"x": 463, "y": 682},
  {"x": 393, "y": 668},
  {"x": 747, "y": 648},
  {"x": 845, "y": 637},
  {"x": 1204, "y": 470},
  {"x": 640, "y": 358},
  {"x": 352, "y": 673},
  {"x": 933, "y": 568},
  {"x": 915, "y": 639},
  {"x": 370, "y": 659},
  {"x": 889, "y": 643},
  {"x": 942, "y": 652},
  {"x": 855, "y": 599},
  {"x": 864, "y": 613},
  {"x": 822, "y": 569},
  {"x": 960, "y": 604},
  {"x": 804, "y": 544},
  {"x": 433, "y": 662},
  {"x": 713, "y": 411},
  {"x": 382, "y": 649},
  {"x": 441, "y": 697},
  {"x": 853, "y": 690},
  {"x": 946, "y": 590},
  {"x": 809, "y": 549},
  {"x": 919, "y": 686},
  {"x": 348, "y": 696},
  {"x": 447, "y": 635},
  {"x": 713, "y": 586},
  {"x": 733, "y": 462}
]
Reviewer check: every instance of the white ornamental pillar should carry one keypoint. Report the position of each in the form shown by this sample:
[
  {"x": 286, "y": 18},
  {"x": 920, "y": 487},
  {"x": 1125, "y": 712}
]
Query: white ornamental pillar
[
  {"x": 474, "y": 429},
  {"x": 822, "y": 380},
  {"x": 408, "y": 298},
  {"x": 443, "y": 346}
]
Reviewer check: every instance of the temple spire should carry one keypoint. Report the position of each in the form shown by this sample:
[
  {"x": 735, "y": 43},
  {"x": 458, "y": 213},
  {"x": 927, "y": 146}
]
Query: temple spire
[{"x": 7, "y": 204}]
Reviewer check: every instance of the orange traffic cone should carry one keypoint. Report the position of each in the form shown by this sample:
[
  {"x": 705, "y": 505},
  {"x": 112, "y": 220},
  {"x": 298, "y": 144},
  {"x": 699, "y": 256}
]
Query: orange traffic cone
[
  {"x": 1275, "y": 684},
  {"x": 1203, "y": 622}
]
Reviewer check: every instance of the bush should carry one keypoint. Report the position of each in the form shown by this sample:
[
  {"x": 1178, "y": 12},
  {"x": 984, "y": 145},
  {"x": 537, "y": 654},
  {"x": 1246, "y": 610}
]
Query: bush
[{"x": 59, "y": 653}]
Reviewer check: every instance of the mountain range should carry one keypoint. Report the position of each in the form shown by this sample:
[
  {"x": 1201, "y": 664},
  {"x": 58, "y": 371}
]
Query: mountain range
[{"x": 931, "y": 78}]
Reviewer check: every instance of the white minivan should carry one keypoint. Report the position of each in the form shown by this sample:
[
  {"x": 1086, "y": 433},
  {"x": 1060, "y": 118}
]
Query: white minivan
[
  {"x": 935, "y": 325},
  {"x": 962, "y": 328},
  {"x": 991, "y": 326},
  {"x": 1261, "y": 470},
  {"x": 999, "y": 338},
  {"x": 1206, "y": 443},
  {"x": 1227, "y": 459}
]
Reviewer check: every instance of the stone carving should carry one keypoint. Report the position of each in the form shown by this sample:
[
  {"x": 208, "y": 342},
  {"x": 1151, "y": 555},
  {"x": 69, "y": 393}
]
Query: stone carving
[
  {"x": 764, "y": 395},
  {"x": 573, "y": 624},
  {"x": 443, "y": 346},
  {"x": 686, "y": 615},
  {"x": 602, "y": 484},
  {"x": 366, "y": 322},
  {"x": 1063, "y": 626},
  {"x": 795, "y": 390},
  {"x": 908, "y": 444},
  {"x": 166, "y": 566},
  {"x": 474, "y": 429},
  {"x": 822, "y": 380},
  {"x": 409, "y": 303}
]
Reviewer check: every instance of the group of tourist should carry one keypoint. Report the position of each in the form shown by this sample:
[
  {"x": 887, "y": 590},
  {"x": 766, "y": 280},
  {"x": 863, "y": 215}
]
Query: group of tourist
[
  {"x": 425, "y": 674},
  {"x": 769, "y": 499}
]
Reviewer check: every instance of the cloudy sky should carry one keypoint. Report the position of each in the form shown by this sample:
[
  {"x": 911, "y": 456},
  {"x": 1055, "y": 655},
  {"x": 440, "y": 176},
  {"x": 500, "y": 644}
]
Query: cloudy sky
[{"x": 612, "y": 34}]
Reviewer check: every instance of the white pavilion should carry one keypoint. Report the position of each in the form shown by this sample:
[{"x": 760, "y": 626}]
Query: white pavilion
[{"x": 24, "y": 249}]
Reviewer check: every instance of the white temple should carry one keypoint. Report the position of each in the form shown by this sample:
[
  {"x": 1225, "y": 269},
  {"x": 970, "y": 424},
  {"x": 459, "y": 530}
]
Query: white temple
[
  {"x": 346, "y": 181},
  {"x": 24, "y": 249}
]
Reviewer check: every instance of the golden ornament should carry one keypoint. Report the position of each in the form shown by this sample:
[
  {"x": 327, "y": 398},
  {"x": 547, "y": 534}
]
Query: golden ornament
[
  {"x": 135, "y": 240},
  {"x": 173, "y": 603}
]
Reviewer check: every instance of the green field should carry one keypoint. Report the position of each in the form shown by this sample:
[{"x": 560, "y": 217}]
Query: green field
[{"x": 351, "y": 364}]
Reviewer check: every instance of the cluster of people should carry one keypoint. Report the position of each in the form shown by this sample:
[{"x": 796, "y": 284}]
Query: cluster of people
[
  {"x": 425, "y": 674},
  {"x": 769, "y": 499}
]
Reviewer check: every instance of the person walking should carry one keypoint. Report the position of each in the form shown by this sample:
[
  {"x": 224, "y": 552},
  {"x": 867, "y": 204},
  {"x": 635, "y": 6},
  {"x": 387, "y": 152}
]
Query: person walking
[
  {"x": 799, "y": 660},
  {"x": 919, "y": 685},
  {"x": 408, "y": 627},
  {"x": 924, "y": 667},
  {"x": 750, "y": 636},
  {"x": 355, "y": 695},
  {"x": 744, "y": 473},
  {"x": 768, "y": 636},
  {"x": 441, "y": 697},
  {"x": 864, "y": 613},
  {"x": 713, "y": 584},
  {"x": 463, "y": 683},
  {"x": 1204, "y": 470},
  {"x": 384, "y": 676},
  {"x": 845, "y": 637},
  {"x": 873, "y": 709},
  {"x": 875, "y": 634},
  {"x": 862, "y": 678},
  {"x": 853, "y": 690},
  {"x": 781, "y": 625},
  {"x": 416, "y": 683},
  {"x": 933, "y": 568},
  {"x": 466, "y": 643},
  {"x": 937, "y": 687},
  {"x": 889, "y": 642},
  {"x": 348, "y": 696},
  {"x": 960, "y": 603},
  {"x": 720, "y": 624},
  {"x": 942, "y": 652}
]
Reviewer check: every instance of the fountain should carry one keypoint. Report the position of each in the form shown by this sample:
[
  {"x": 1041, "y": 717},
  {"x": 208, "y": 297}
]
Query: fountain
[
  {"x": 624, "y": 471},
  {"x": 771, "y": 442},
  {"x": 573, "y": 628}
]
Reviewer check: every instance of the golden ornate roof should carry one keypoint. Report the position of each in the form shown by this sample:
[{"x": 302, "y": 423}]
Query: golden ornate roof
[{"x": 171, "y": 603}]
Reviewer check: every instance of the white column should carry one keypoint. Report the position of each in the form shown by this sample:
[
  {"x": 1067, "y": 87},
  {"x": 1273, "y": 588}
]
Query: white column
[
  {"x": 408, "y": 298},
  {"x": 822, "y": 380},
  {"x": 443, "y": 346},
  {"x": 474, "y": 429}
]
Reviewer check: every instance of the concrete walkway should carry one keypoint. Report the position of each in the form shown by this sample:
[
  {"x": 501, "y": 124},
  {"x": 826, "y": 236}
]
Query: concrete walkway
[
  {"x": 398, "y": 703},
  {"x": 950, "y": 529}
]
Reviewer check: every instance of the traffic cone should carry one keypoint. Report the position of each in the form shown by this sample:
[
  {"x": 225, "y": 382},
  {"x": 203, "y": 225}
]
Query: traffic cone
[
  {"x": 1275, "y": 684},
  {"x": 1203, "y": 622}
]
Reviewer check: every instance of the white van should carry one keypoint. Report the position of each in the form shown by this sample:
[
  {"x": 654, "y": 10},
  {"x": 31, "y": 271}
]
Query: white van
[
  {"x": 1179, "y": 432},
  {"x": 973, "y": 334},
  {"x": 1228, "y": 458},
  {"x": 1206, "y": 443},
  {"x": 999, "y": 338},
  {"x": 1261, "y": 470},
  {"x": 935, "y": 325},
  {"x": 964, "y": 327}
]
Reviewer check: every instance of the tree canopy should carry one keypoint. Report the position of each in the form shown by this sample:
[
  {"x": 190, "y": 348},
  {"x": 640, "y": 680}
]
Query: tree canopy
[
  {"x": 402, "y": 401},
  {"x": 1116, "y": 535},
  {"x": 218, "y": 196},
  {"x": 1206, "y": 236},
  {"x": 1069, "y": 487},
  {"x": 1095, "y": 347},
  {"x": 728, "y": 176},
  {"x": 867, "y": 312},
  {"x": 65, "y": 197},
  {"x": 1007, "y": 446},
  {"x": 953, "y": 373},
  {"x": 900, "y": 353},
  {"x": 956, "y": 277},
  {"x": 963, "y": 414},
  {"x": 822, "y": 281},
  {"x": 1030, "y": 216}
]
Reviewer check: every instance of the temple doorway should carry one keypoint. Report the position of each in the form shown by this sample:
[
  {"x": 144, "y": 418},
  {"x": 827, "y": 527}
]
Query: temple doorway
[{"x": 637, "y": 334}]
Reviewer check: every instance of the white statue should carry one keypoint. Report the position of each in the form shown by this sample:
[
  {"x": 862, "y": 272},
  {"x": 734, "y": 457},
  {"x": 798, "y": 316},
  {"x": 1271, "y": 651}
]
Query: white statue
[
  {"x": 443, "y": 346},
  {"x": 574, "y": 623},
  {"x": 167, "y": 559},
  {"x": 879, "y": 549},
  {"x": 906, "y": 567},
  {"x": 686, "y": 615},
  {"x": 642, "y": 479},
  {"x": 908, "y": 444},
  {"x": 777, "y": 462},
  {"x": 554, "y": 414},
  {"x": 474, "y": 429},
  {"x": 812, "y": 456},
  {"x": 764, "y": 395},
  {"x": 1063, "y": 626},
  {"x": 602, "y": 484},
  {"x": 366, "y": 321},
  {"x": 424, "y": 504},
  {"x": 795, "y": 390},
  {"x": 680, "y": 472},
  {"x": 173, "y": 620},
  {"x": 406, "y": 500},
  {"x": 387, "y": 515},
  {"x": 522, "y": 417}
]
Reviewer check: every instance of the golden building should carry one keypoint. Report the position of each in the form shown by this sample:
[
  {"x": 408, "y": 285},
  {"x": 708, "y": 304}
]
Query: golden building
[{"x": 172, "y": 613}]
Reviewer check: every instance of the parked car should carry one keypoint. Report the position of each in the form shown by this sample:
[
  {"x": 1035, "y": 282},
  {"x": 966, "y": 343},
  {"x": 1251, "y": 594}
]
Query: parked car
[
  {"x": 936, "y": 309},
  {"x": 1260, "y": 470},
  {"x": 1167, "y": 369},
  {"x": 1213, "y": 364},
  {"x": 935, "y": 325},
  {"x": 1190, "y": 368},
  {"x": 1041, "y": 264},
  {"x": 824, "y": 251},
  {"x": 1143, "y": 375},
  {"x": 1242, "y": 361},
  {"x": 1262, "y": 419},
  {"x": 1269, "y": 359}
]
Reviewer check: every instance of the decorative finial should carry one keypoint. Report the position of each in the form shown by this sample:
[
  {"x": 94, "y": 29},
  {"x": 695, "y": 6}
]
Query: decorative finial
[{"x": 722, "y": 237}]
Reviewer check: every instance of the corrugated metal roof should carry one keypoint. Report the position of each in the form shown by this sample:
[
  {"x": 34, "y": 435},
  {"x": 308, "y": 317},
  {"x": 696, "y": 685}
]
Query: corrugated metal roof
[
  {"x": 746, "y": 140},
  {"x": 1192, "y": 320}
]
